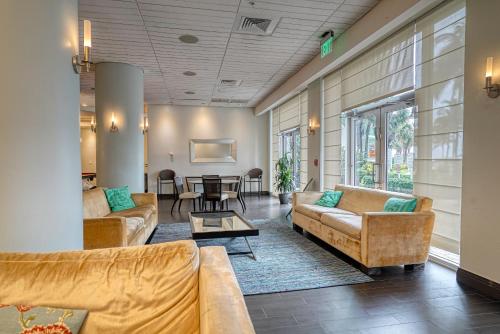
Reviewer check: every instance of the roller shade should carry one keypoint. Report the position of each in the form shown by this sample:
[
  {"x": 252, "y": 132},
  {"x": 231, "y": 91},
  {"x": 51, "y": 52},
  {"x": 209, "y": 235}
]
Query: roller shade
[{"x": 289, "y": 114}]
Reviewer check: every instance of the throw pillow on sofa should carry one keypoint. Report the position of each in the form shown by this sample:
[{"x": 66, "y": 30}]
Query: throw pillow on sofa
[
  {"x": 119, "y": 198},
  {"x": 395, "y": 204},
  {"x": 329, "y": 199}
]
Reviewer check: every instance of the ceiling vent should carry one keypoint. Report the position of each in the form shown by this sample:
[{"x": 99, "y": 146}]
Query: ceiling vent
[
  {"x": 230, "y": 101},
  {"x": 229, "y": 83},
  {"x": 255, "y": 23}
]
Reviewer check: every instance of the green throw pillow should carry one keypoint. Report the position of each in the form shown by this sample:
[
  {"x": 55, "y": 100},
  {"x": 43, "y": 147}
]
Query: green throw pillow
[
  {"x": 330, "y": 199},
  {"x": 119, "y": 198},
  {"x": 395, "y": 204}
]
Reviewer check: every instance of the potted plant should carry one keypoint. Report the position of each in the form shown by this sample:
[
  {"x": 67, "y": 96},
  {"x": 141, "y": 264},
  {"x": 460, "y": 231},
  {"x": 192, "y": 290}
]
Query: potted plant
[{"x": 283, "y": 181}]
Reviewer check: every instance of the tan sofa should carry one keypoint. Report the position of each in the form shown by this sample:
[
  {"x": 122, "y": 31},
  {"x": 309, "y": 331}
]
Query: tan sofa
[
  {"x": 359, "y": 228},
  {"x": 103, "y": 228},
  {"x": 167, "y": 288}
]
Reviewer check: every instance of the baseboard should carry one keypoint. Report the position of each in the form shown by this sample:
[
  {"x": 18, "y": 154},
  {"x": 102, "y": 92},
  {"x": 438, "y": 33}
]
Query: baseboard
[{"x": 485, "y": 286}]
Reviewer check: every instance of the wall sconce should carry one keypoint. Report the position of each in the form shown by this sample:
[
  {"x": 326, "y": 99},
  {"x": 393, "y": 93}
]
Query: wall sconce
[
  {"x": 311, "y": 129},
  {"x": 93, "y": 127},
  {"x": 113, "y": 127},
  {"x": 145, "y": 125},
  {"x": 87, "y": 45},
  {"x": 492, "y": 89}
]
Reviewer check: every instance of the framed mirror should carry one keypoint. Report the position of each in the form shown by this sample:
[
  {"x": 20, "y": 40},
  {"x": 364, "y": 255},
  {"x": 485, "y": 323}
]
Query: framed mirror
[{"x": 212, "y": 150}]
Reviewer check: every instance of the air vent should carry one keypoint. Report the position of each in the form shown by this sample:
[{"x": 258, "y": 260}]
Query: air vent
[
  {"x": 230, "y": 101},
  {"x": 255, "y": 23},
  {"x": 229, "y": 83}
]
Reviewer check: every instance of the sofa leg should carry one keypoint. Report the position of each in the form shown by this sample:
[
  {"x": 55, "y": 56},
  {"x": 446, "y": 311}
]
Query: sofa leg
[
  {"x": 413, "y": 267},
  {"x": 370, "y": 271},
  {"x": 297, "y": 228}
]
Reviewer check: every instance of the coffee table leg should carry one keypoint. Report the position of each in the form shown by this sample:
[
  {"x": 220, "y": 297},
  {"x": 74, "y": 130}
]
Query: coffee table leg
[{"x": 251, "y": 250}]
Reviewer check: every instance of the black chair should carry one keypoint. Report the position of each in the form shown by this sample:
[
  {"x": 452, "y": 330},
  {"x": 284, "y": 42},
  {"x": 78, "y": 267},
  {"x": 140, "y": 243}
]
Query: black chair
[
  {"x": 212, "y": 192},
  {"x": 180, "y": 194},
  {"x": 234, "y": 191},
  {"x": 165, "y": 176},
  {"x": 253, "y": 176}
]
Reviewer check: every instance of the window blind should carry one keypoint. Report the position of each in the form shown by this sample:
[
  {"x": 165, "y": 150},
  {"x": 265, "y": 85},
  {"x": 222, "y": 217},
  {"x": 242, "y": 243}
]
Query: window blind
[
  {"x": 289, "y": 114},
  {"x": 332, "y": 110},
  {"x": 303, "y": 138},
  {"x": 439, "y": 77}
]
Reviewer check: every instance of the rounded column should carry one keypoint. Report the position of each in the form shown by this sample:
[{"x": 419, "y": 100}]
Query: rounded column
[
  {"x": 41, "y": 190},
  {"x": 119, "y": 101}
]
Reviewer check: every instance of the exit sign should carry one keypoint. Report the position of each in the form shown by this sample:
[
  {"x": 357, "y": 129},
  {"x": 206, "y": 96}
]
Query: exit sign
[{"x": 326, "y": 43}]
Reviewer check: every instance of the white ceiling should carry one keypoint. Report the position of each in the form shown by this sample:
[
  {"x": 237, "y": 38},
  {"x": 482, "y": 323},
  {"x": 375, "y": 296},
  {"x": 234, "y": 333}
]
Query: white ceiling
[{"x": 145, "y": 33}]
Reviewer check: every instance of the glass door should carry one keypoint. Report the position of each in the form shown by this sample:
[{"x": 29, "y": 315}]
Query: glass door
[
  {"x": 290, "y": 146},
  {"x": 366, "y": 148}
]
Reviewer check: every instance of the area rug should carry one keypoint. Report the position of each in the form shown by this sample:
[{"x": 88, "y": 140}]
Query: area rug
[{"x": 286, "y": 260}]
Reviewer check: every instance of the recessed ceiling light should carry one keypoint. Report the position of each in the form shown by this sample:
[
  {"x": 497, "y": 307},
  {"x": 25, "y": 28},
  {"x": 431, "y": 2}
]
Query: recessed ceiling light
[
  {"x": 190, "y": 39},
  {"x": 189, "y": 73},
  {"x": 189, "y": 92}
]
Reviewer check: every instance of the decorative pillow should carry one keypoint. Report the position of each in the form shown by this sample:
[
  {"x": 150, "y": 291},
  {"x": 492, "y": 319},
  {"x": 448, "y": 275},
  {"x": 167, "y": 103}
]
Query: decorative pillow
[
  {"x": 119, "y": 198},
  {"x": 395, "y": 204},
  {"x": 40, "y": 320},
  {"x": 330, "y": 199}
]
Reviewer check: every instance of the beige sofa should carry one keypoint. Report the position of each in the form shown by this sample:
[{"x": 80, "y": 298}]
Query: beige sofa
[
  {"x": 359, "y": 228},
  {"x": 167, "y": 288},
  {"x": 103, "y": 228}
]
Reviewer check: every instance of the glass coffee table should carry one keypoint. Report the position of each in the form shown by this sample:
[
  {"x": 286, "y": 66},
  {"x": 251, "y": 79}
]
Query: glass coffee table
[{"x": 222, "y": 224}]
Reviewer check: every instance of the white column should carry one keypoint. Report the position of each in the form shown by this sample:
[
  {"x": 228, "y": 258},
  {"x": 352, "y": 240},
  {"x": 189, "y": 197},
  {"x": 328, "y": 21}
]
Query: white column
[
  {"x": 40, "y": 181},
  {"x": 119, "y": 91}
]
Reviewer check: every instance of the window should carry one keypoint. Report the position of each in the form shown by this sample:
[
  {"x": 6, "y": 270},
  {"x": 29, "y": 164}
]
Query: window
[
  {"x": 290, "y": 145},
  {"x": 378, "y": 146}
]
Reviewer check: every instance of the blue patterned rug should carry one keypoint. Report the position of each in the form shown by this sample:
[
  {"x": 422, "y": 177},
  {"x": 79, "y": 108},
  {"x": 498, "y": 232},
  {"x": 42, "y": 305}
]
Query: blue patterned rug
[{"x": 286, "y": 260}]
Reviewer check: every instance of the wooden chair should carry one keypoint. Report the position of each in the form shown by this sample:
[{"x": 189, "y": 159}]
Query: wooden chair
[
  {"x": 212, "y": 192},
  {"x": 180, "y": 194},
  {"x": 253, "y": 176},
  {"x": 165, "y": 176},
  {"x": 235, "y": 191}
]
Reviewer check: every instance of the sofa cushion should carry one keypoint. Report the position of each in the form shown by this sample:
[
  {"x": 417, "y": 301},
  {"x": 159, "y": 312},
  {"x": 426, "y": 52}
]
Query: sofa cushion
[
  {"x": 144, "y": 211},
  {"x": 330, "y": 199},
  {"x": 400, "y": 205},
  {"x": 151, "y": 289},
  {"x": 315, "y": 211},
  {"x": 119, "y": 199},
  {"x": 95, "y": 204},
  {"x": 347, "y": 224}
]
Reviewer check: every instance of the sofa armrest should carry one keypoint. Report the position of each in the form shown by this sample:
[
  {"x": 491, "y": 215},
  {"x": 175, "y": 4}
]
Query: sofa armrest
[
  {"x": 222, "y": 306},
  {"x": 395, "y": 238},
  {"x": 305, "y": 197},
  {"x": 145, "y": 198},
  {"x": 104, "y": 232}
]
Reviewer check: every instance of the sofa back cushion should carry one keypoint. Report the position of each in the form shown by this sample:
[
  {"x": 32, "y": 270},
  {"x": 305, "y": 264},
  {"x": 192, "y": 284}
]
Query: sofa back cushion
[
  {"x": 95, "y": 204},
  {"x": 152, "y": 289},
  {"x": 359, "y": 200}
]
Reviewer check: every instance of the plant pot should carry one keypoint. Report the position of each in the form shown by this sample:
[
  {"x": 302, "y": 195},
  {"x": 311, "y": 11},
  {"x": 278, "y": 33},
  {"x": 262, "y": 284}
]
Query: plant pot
[{"x": 284, "y": 198}]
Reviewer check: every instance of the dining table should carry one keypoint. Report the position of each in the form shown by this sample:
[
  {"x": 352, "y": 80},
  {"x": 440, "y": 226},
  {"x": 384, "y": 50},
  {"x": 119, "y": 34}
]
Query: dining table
[{"x": 224, "y": 181}]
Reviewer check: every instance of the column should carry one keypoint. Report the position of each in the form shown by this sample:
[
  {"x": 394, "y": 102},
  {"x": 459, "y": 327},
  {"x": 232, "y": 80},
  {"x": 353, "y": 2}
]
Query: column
[
  {"x": 40, "y": 181},
  {"x": 119, "y": 95}
]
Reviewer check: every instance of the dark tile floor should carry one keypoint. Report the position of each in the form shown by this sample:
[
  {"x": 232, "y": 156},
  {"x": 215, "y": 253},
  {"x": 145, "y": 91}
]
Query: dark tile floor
[{"x": 428, "y": 300}]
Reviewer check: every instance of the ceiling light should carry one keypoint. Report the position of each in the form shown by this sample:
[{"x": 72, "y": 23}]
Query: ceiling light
[
  {"x": 190, "y": 39},
  {"x": 189, "y": 92},
  {"x": 189, "y": 73}
]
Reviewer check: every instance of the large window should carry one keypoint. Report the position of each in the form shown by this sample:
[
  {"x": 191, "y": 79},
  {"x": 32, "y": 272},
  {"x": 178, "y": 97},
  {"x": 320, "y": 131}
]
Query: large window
[
  {"x": 380, "y": 146},
  {"x": 290, "y": 146}
]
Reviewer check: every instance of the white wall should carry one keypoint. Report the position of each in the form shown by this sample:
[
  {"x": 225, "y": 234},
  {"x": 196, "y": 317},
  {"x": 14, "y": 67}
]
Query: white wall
[
  {"x": 480, "y": 234},
  {"x": 41, "y": 192},
  {"x": 171, "y": 128},
  {"x": 88, "y": 150}
]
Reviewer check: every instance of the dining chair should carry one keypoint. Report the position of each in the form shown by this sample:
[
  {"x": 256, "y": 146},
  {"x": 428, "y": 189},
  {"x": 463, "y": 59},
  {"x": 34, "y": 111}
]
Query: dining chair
[
  {"x": 234, "y": 191},
  {"x": 165, "y": 176},
  {"x": 254, "y": 175},
  {"x": 212, "y": 192},
  {"x": 180, "y": 194}
]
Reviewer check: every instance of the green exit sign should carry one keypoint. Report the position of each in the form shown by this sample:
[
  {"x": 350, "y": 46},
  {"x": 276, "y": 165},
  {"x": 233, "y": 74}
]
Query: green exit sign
[{"x": 326, "y": 47}]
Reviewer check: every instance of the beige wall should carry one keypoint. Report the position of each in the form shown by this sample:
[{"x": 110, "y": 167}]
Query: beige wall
[
  {"x": 314, "y": 140},
  {"x": 87, "y": 150},
  {"x": 480, "y": 234},
  {"x": 171, "y": 128}
]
